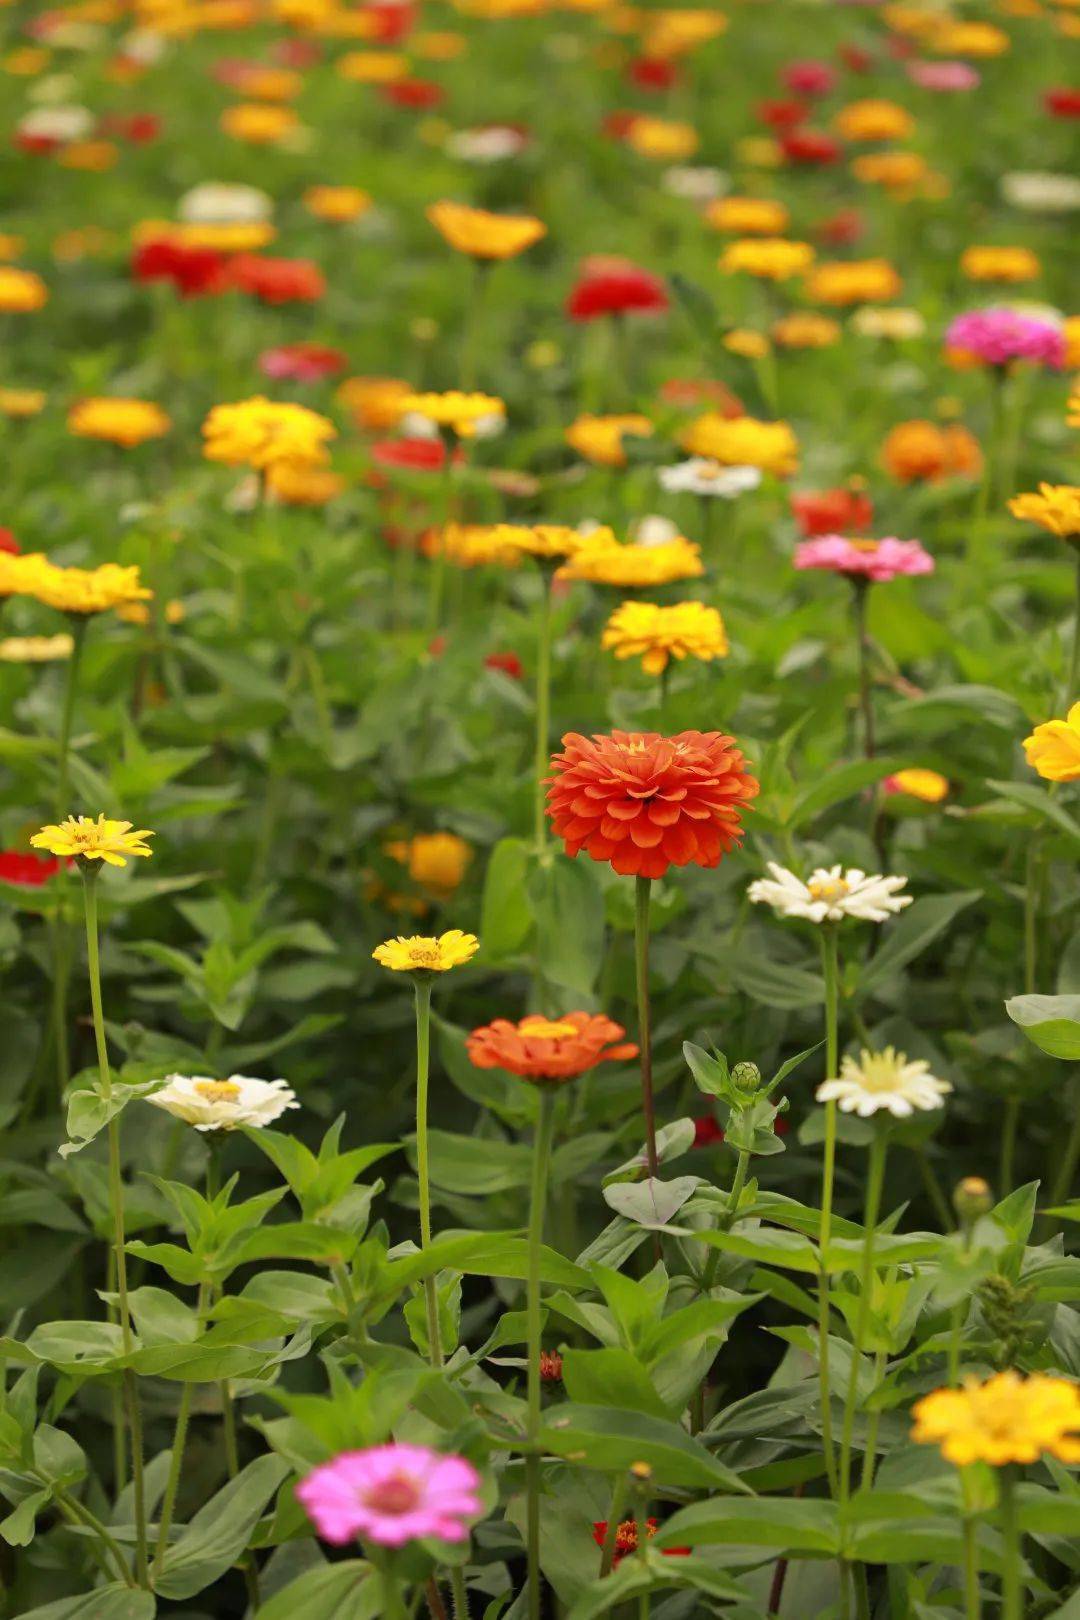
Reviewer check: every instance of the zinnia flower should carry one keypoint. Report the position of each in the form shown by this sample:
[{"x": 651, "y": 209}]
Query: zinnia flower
[
  {"x": 1006, "y": 1419},
  {"x": 884, "y": 1080},
  {"x": 128, "y": 422},
  {"x": 999, "y": 264},
  {"x": 626, "y": 1538},
  {"x": 1056, "y": 507},
  {"x": 872, "y": 560},
  {"x": 1053, "y": 749},
  {"x": 437, "y": 861},
  {"x": 873, "y": 120},
  {"x": 466, "y": 415},
  {"x": 336, "y": 204},
  {"x": 919, "y": 783},
  {"x": 748, "y": 216},
  {"x": 853, "y": 281},
  {"x": 420, "y": 954},
  {"x": 194, "y": 271},
  {"x": 223, "y": 1105},
  {"x": 277, "y": 281},
  {"x": 302, "y": 362},
  {"x": 919, "y": 450},
  {"x": 769, "y": 258},
  {"x": 657, "y": 634},
  {"x": 90, "y": 840},
  {"x": 84, "y": 590},
  {"x": 599, "y": 439},
  {"x": 36, "y": 649},
  {"x": 804, "y": 329},
  {"x": 260, "y": 433},
  {"x": 27, "y": 871},
  {"x": 21, "y": 291},
  {"x": 743, "y": 441},
  {"x": 482, "y": 235},
  {"x": 670, "y": 140},
  {"x": 558, "y": 1049},
  {"x": 391, "y": 1495},
  {"x": 700, "y": 476},
  {"x": 608, "y": 285},
  {"x": 258, "y": 123},
  {"x": 997, "y": 336},
  {"x": 646, "y": 802},
  {"x": 826, "y": 511},
  {"x": 602, "y": 560},
  {"x": 830, "y": 895}
]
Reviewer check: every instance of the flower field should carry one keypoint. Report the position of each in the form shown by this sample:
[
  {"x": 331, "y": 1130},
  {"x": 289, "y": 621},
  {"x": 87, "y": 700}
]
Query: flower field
[{"x": 539, "y": 694}]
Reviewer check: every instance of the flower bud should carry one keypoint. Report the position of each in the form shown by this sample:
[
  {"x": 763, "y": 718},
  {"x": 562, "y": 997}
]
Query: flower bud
[
  {"x": 971, "y": 1199},
  {"x": 746, "y": 1076}
]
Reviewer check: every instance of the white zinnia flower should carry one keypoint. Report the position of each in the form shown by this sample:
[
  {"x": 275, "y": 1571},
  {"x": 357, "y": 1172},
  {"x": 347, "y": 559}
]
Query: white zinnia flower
[
  {"x": 830, "y": 896},
  {"x": 223, "y": 1105},
  {"x": 694, "y": 184},
  {"x": 490, "y": 143},
  {"x": 1037, "y": 191},
  {"x": 219, "y": 202},
  {"x": 700, "y": 476},
  {"x": 889, "y": 322},
  {"x": 59, "y": 124},
  {"x": 884, "y": 1080}
]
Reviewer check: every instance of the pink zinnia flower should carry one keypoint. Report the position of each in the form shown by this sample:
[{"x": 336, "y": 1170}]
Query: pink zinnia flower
[
  {"x": 302, "y": 362},
  {"x": 943, "y": 75},
  {"x": 997, "y": 335},
  {"x": 872, "y": 560},
  {"x": 809, "y": 77},
  {"x": 390, "y": 1495}
]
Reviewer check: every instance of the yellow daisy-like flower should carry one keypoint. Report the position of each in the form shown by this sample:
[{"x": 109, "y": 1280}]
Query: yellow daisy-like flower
[
  {"x": 295, "y": 485},
  {"x": 259, "y": 123},
  {"x": 602, "y": 560},
  {"x": 19, "y": 570},
  {"x": 873, "y": 120},
  {"x": 373, "y": 67},
  {"x": 85, "y": 590},
  {"x": 1056, "y": 507},
  {"x": 658, "y": 634},
  {"x": 90, "y": 840},
  {"x": 263, "y": 433},
  {"x": 901, "y": 173},
  {"x": 748, "y": 216},
  {"x": 128, "y": 422},
  {"x": 919, "y": 783},
  {"x": 463, "y": 414},
  {"x": 1012, "y": 264},
  {"x": 437, "y": 861},
  {"x": 1007, "y": 1419},
  {"x": 547, "y": 542},
  {"x": 36, "y": 649},
  {"x": 770, "y": 258},
  {"x": 599, "y": 439},
  {"x": 375, "y": 401},
  {"x": 21, "y": 291},
  {"x": 969, "y": 39},
  {"x": 21, "y": 402},
  {"x": 804, "y": 329},
  {"x": 423, "y": 954},
  {"x": 1053, "y": 749},
  {"x": 336, "y": 204},
  {"x": 95, "y": 157},
  {"x": 482, "y": 235},
  {"x": 745, "y": 342},
  {"x": 853, "y": 281},
  {"x": 743, "y": 441},
  {"x": 676, "y": 30},
  {"x": 473, "y": 545},
  {"x": 666, "y": 139}
]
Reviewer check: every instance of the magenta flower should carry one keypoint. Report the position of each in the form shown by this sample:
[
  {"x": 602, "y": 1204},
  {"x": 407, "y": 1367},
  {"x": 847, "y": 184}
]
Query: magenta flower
[
  {"x": 390, "y": 1495},
  {"x": 998, "y": 335},
  {"x": 809, "y": 77},
  {"x": 870, "y": 560},
  {"x": 943, "y": 75}
]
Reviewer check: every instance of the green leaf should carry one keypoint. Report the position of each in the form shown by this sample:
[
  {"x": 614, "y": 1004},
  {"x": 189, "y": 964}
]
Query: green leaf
[
  {"x": 911, "y": 933},
  {"x": 1052, "y": 1023},
  {"x": 788, "y": 1525},
  {"x": 610, "y": 1377},
  {"x": 505, "y": 913},
  {"x": 492, "y": 1254},
  {"x": 112, "y": 1602},
  {"x": 220, "y": 1531},
  {"x": 610, "y": 1440},
  {"x": 1039, "y": 801},
  {"x": 569, "y": 908},
  {"x": 346, "y": 1591},
  {"x": 840, "y": 783}
]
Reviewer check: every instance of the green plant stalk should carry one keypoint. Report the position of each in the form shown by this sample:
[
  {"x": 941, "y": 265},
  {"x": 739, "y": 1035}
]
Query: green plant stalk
[
  {"x": 545, "y": 1129},
  {"x": 972, "y": 1595},
  {"x": 875, "y": 1183},
  {"x": 58, "y": 940},
  {"x": 479, "y": 282},
  {"x": 176, "y": 1460},
  {"x": 437, "y": 583},
  {"x": 1072, "y": 681},
  {"x": 79, "y": 1513},
  {"x": 873, "y": 1423},
  {"x": 830, "y": 967},
  {"x": 1011, "y": 1606},
  {"x": 543, "y": 711},
  {"x": 712, "y": 1262},
  {"x": 393, "y": 1605},
  {"x": 90, "y": 874},
  {"x": 862, "y": 641},
  {"x": 422, "y": 988},
  {"x": 643, "y": 887},
  {"x": 615, "y": 1512}
]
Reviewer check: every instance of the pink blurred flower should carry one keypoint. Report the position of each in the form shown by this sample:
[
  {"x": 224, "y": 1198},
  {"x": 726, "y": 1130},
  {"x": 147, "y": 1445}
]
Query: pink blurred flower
[
  {"x": 809, "y": 77},
  {"x": 871, "y": 560},
  {"x": 390, "y": 1495},
  {"x": 943, "y": 75},
  {"x": 302, "y": 362},
  {"x": 997, "y": 335}
]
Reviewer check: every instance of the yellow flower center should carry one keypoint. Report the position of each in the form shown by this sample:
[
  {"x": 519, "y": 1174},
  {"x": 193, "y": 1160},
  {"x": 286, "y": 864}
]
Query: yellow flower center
[
  {"x": 424, "y": 956},
  {"x": 863, "y": 545},
  {"x": 218, "y": 1090},
  {"x": 828, "y": 888},
  {"x": 547, "y": 1029}
]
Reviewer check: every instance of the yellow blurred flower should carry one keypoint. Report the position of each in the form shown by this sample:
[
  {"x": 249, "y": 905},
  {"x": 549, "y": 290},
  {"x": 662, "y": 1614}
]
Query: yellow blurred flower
[
  {"x": 436, "y": 861},
  {"x": 426, "y": 955},
  {"x": 743, "y": 441},
  {"x": 657, "y": 634},
  {"x": 1006, "y": 1419},
  {"x": 95, "y": 157},
  {"x": 19, "y": 571},
  {"x": 21, "y": 291},
  {"x": 1072, "y": 408},
  {"x": 81, "y": 242},
  {"x": 376, "y": 402},
  {"x": 36, "y": 649},
  {"x": 889, "y": 322},
  {"x": 128, "y": 422},
  {"x": 745, "y": 342},
  {"x": 338, "y": 204},
  {"x": 918, "y": 783},
  {"x": 258, "y": 123},
  {"x": 90, "y": 840},
  {"x": 599, "y": 439},
  {"x": 969, "y": 39},
  {"x": 675, "y": 31},
  {"x": 1053, "y": 749},
  {"x": 771, "y": 258},
  {"x": 27, "y": 61},
  {"x": 1056, "y": 507},
  {"x": 86, "y": 590},
  {"x": 1070, "y": 331},
  {"x": 142, "y": 613},
  {"x": 464, "y": 414},
  {"x": 439, "y": 45},
  {"x": 805, "y": 329},
  {"x": 295, "y": 485},
  {"x": 21, "y": 402},
  {"x": 759, "y": 151},
  {"x": 482, "y": 235},
  {"x": 263, "y": 433},
  {"x": 473, "y": 545},
  {"x": 373, "y": 67},
  {"x": 11, "y": 247},
  {"x": 873, "y": 120},
  {"x": 602, "y": 560},
  {"x": 904, "y": 174},
  {"x": 853, "y": 281},
  {"x": 923, "y": 451},
  {"x": 667, "y": 139},
  {"x": 748, "y": 216},
  {"x": 1000, "y": 264},
  {"x": 273, "y": 84}
]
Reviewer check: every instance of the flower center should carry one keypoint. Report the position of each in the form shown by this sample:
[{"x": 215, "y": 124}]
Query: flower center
[
  {"x": 828, "y": 888},
  {"x": 424, "y": 956},
  {"x": 863, "y": 545},
  {"x": 398, "y": 1493},
  {"x": 879, "y": 1076},
  {"x": 218, "y": 1090},
  {"x": 547, "y": 1029}
]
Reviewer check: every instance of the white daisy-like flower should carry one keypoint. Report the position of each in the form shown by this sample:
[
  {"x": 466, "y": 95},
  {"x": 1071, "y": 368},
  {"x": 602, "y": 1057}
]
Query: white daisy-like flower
[
  {"x": 488, "y": 143},
  {"x": 1038, "y": 191},
  {"x": 224, "y": 202},
  {"x": 58, "y": 124},
  {"x": 830, "y": 896},
  {"x": 223, "y": 1105},
  {"x": 700, "y": 476},
  {"x": 695, "y": 184},
  {"x": 884, "y": 1080}
]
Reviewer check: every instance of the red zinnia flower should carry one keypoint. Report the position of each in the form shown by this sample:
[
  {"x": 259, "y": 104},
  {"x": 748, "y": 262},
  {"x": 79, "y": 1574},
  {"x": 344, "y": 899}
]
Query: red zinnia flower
[
  {"x": 296, "y": 53},
  {"x": 138, "y": 128},
  {"x": 1063, "y": 102},
  {"x": 194, "y": 271},
  {"x": 840, "y": 229},
  {"x": 626, "y": 1538},
  {"x": 652, "y": 73},
  {"x": 302, "y": 362},
  {"x": 782, "y": 114},
  {"x": 9, "y": 543},
  {"x": 692, "y": 393},
  {"x": 418, "y": 93},
  {"x": 277, "y": 281},
  {"x": 855, "y": 59},
  {"x": 707, "y": 1131},
  {"x": 619, "y": 124},
  {"x": 28, "y": 870},
  {"x": 550, "y": 1366},
  {"x": 646, "y": 802},
  {"x": 809, "y": 146},
  {"x": 615, "y": 286},
  {"x": 549, "y": 1048},
  {"x": 411, "y": 455},
  {"x": 832, "y": 511},
  {"x": 809, "y": 78},
  {"x": 508, "y": 662},
  {"x": 391, "y": 22}
]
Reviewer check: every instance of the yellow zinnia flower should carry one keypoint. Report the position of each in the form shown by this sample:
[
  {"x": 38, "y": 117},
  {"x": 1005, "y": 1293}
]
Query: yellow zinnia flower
[
  {"x": 259, "y": 123},
  {"x": 21, "y": 291},
  {"x": 743, "y": 441},
  {"x": 420, "y": 954},
  {"x": 86, "y": 590},
  {"x": 1007, "y": 1419},
  {"x": 295, "y": 485},
  {"x": 472, "y": 545},
  {"x": 599, "y": 439},
  {"x": 19, "y": 570},
  {"x": 919, "y": 783},
  {"x": 373, "y": 67},
  {"x": 338, "y": 204},
  {"x": 21, "y": 402},
  {"x": 853, "y": 281},
  {"x": 437, "y": 861},
  {"x": 770, "y": 258},
  {"x": 118, "y": 421},
  {"x": 744, "y": 341},
  {"x": 547, "y": 541},
  {"x": 804, "y": 329},
  {"x": 1056, "y": 507},
  {"x": 263, "y": 433},
  {"x": 36, "y": 649},
  {"x": 902, "y": 173},
  {"x": 1000, "y": 264},
  {"x": 658, "y": 634},
  {"x": 1053, "y": 749},
  {"x": 375, "y": 401},
  {"x": 748, "y": 216},
  {"x": 482, "y": 235},
  {"x": 666, "y": 139},
  {"x": 602, "y": 560},
  {"x": 90, "y": 840},
  {"x": 464, "y": 414},
  {"x": 873, "y": 120},
  {"x": 969, "y": 39}
]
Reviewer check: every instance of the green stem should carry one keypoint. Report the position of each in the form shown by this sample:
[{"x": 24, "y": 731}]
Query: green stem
[
  {"x": 1010, "y": 1125},
  {"x": 545, "y": 1127},
  {"x": 643, "y": 886},
  {"x": 1010, "y": 1531},
  {"x": 830, "y": 968},
  {"x": 1067, "y": 1168},
  {"x": 862, "y": 638},
  {"x": 708, "y": 1275},
  {"x": 393, "y": 1605},
  {"x": 58, "y": 935},
  {"x": 875, "y": 1183},
  {"x": 873, "y": 1422},
  {"x": 422, "y": 987},
  {"x": 176, "y": 1460},
  {"x": 61, "y": 806},
  {"x": 615, "y": 1513},
  {"x": 437, "y": 581},
  {"x": 972, "y": 1594},
  {"x": 79, "y": 1513},
  {"x": 543, "y": 711},
  {"x": 1072, "y": 689},
  {"x": 473, "y": 324}
]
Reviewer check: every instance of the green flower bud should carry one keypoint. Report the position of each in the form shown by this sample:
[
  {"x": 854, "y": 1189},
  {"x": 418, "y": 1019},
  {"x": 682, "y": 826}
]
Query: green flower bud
[
  {"x": 746, "y": 1076},
  {"x": 971, "y": 1199}
]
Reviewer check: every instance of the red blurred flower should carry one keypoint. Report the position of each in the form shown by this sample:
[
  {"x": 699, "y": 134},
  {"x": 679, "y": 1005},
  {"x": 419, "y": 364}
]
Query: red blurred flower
[
  {"x": 296, "y": 53},
  {"x": 194, "y": 271},
  {"x": 832, "y": 511},
  {"x": 28, "y": 870},
  {"x": 420, "y": 94},
  {"x": 391, "y": 22},
  {"x": 841, "y": 229},
  {"x": 626, "y": 1538},
  {"x": 437, "y": 646},
  {"x": 540, "y": 1048},
  {"x": 9, "y": 543},
  {"x": 615, "y": 286},
  {"x": 302, "y": 362},
  {"x": 855, "y": 59},
  {"x": 646, "y": 802},
  {"x": 652, "y": 73},
  {"x": 691, "y": 393},
  {"x": 550, "y": 1366},
  {"x": 809, "y": 78},
  {"x": 782, "y": 114},
  {"x": 508, "y": 662},
  {"x": 411, "y": 455},
  {"x": 707, "y": 1131},
  {"x": 619, "y": 124},
  {"x": 277, "y": 281},
  {"x": 810, "y": 146},
  {"x": 137, "y": 128},
  {"x": 900, "y": 49},
  {"x": 1062, "y": 102}
]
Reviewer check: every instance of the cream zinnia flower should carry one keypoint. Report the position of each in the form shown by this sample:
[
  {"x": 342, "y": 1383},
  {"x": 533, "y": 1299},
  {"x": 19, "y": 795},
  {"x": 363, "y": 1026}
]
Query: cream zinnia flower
[
  {"x": 884, "y": 1080},
  {"x": 830, "y": 896},
  {"x": 223, "y": 1105},
  {"x": 700, "y": 476}
]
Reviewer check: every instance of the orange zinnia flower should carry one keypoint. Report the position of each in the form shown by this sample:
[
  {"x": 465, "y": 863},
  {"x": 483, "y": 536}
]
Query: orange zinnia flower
[
  {"x": 646, "y": 802},
  {"x": 549, "y": 1049}
]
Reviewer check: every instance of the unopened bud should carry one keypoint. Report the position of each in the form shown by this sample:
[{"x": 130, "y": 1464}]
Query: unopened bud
[
  {"x": 641, "y": 1470},
  {"x": 746, "y": 1076},
  {"x": 971, "y": 1198}
]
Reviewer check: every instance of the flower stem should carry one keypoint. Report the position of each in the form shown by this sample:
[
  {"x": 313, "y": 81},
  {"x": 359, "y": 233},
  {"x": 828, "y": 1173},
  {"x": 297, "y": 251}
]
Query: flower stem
[
  {"x": 422, "y": 987},
  {"x": 116, "y": 1203},
  {"x": 1072, "y": 687},
  {"x": 79, "y": 623},
  {"x": 58, "y": 933},
  {"x": 862, "y": 637},
  {"x": 176, "y": 1460},
  {"x": 641, "y": 959},
  {"x": 545, "y": 1127},
  {"x": 830, "y": 967},
  {"x": 875, "y": 1182},
  {"x": 972, "y": 1595},
  {"x": 1010, "y": 1531},
  {"x": 543, "y": 709},
  {"x": 615, "y": 1513},
  {"x": 79, "y": 1513}
]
